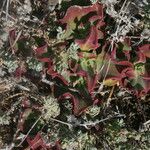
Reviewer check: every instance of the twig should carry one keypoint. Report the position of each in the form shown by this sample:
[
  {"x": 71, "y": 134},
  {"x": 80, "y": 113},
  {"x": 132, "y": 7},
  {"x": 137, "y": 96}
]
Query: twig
[
  {"x": 23, "y": 87},
  {"x": 18, "y": 36},
  {"x": 2, "y": 7},
  {"x": 108, "y": 66},
  {"x": 62, "y": 122},
  {"x": 100, "y": 121},
  {"x": 137, "y": 37},
  {"x": 116, "y": 33},
  {"x": 47, "y": 82},
  {"x": 86, "y": 124},
  {"x": 10, "y": 110},
  {"x": 107, "y": 69},
  {"x": 7, "y": 9},
  {"x": 69, "y": 125},
  {"x": 112, "y": 43},
  {"x": 147, "y": 122},
  {"x": 29, "y": 131},
  {"x": 110, "y": 95},
  {"x": 9, "y": 16}
]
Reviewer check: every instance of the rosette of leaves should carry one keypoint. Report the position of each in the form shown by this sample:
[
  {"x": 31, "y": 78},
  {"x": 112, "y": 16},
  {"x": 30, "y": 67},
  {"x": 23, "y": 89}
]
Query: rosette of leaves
[
  {"x": 135, "y": 73},
  {"x": 75, "y": 21}
]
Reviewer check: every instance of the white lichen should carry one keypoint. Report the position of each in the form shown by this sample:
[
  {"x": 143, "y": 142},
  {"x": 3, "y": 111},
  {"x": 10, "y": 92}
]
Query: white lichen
[
  {"x": 51, "y": 108},
  {"x": 93, "y": 1},
  {"x": 61, "y": 33},
  {"x": 12, "y": 65},
  {"x": 93, "y": 111},
  {"x": 34, "y": 64},
  {"x": 4, "y": 120},
  {"x": 72, "y": 51},
  {"x": 82, "y": 141}
]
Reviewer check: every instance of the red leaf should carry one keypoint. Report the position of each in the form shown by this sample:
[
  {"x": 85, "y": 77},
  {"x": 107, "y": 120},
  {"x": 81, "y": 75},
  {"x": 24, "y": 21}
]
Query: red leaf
[
  {"x": 91, "y": 82},
  {"x": 54, "y": 74},
  {"x": 141, "y": 57},
  {"x": 145, "y": 49},
  {"x": 73, "y": 66},
  {"x": 74, "y": 101},
  {"x": 45, "y": 60},
  {"x": 78, "y": 12},
  {"x": 147, "y": 83},
  {"x": 19, "y": 72},
  {"x": 51, "y": 71},
  {"x": 37, "y": 142},
  {"x": 91, "y": 42},
  {"x": 124, "y": 63},
  {"x": 128, "y": 72},
  {"x": 79, "y": 105},
  {"x": 86, "y": 55},
  {"x": 132, "y": 77},
  {"x": 58, "y": 145},
  {"x": 82, "y": 73},
  {"x": 41, "y": 50}
]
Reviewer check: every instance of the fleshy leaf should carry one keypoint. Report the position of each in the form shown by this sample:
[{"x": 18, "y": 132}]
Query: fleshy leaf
[
  {"x": 78, "y": 103},
  {"x": 127, "y": 45},
  {"x": 55, "y": 74},
  {"x": 86, "y": 55},
  {"x": 91, "y": 82},
  {"x": 145, "y": 49},
  {"x": 91, "y": 42},
  {"x": 136, "y": 77},
  {"x": 141, "y": 57},
  {"x": 90, "y": 75},
  {"x": 77, "y": 12},
  {"x": 50, "y": 70},
  {"x": 41, "y": 50},
  {"x": 37, "y": 142},
  {"x": 110, "y": 82}
]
